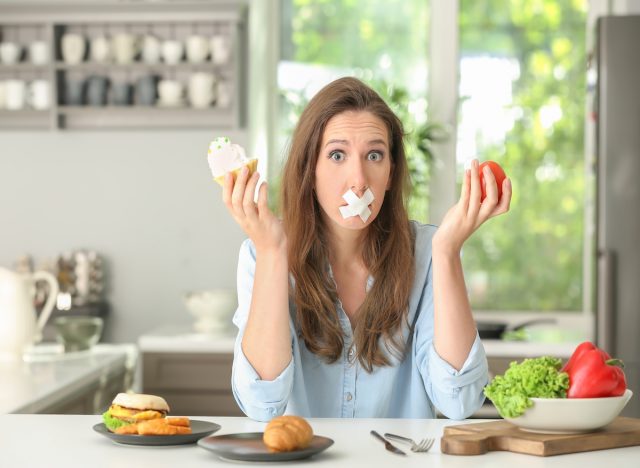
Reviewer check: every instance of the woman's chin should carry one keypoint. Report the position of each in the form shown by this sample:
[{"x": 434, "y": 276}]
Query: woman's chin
[{"x": 354, "y": 223}]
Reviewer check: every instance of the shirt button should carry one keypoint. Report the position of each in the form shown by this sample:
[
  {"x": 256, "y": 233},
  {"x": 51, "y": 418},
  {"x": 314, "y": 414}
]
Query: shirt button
[
  {"x": 351, "y": 353},
  {"x": 348, "y": 396}
]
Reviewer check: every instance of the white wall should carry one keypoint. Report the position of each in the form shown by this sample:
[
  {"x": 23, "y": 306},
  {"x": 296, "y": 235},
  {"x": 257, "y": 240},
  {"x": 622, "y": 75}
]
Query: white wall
[{"x": 143, "y": 199}]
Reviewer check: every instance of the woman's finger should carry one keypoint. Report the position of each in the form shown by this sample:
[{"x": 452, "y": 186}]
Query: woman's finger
[
  {"x": 476, "y": 193},
  {"x": 490, "y": 202},
  {"x": 227, "y": 189},
  {"x": 248, "y": 205},
  {"x": 263, "y": 201},
  {"x": 505, "y": 200},
  {"x": 464, "y": 194},
  {"x": 238, "y": 192}
]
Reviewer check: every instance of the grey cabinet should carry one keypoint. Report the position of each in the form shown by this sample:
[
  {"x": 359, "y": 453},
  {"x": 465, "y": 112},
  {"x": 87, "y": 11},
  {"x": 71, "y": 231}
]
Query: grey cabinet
[
  {"x": 25, "y": 24},
  {"x": 194, "y": 384}
]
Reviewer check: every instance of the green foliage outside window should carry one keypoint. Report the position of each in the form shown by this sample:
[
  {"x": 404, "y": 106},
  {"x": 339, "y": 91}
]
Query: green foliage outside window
[{"x": 532, "y": 259}]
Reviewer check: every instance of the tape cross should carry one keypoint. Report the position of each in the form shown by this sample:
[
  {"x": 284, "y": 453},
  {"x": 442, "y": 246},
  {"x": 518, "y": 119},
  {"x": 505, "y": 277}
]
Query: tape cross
[{"x": 357, "y": 206}]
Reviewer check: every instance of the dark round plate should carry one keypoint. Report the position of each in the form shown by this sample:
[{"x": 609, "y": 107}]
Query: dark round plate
[
  {"x": 199, "y": 429},
  {"x": 248, "y": 446}
]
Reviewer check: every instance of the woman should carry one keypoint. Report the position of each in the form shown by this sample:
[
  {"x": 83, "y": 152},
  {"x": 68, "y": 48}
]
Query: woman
[{"x": 345, "y": 307}]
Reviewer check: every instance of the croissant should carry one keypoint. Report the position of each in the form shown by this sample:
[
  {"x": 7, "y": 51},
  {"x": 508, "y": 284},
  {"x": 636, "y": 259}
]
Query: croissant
[{"x": 287, "y": 433}]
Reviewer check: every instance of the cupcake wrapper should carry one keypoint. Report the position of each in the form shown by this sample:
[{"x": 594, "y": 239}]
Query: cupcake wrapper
[{"x": 252, "y": 165}]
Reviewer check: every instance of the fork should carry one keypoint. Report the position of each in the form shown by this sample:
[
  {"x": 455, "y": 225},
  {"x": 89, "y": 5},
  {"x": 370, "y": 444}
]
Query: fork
[{"x": 423, "y": 446}]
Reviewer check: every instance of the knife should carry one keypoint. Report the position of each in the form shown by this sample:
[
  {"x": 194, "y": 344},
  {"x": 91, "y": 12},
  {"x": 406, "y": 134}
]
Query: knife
[{"x": 388, "y": 445}]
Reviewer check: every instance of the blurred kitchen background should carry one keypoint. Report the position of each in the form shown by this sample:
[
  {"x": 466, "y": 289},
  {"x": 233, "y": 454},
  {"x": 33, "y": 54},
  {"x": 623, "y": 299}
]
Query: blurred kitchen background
[{"x": 107, "y": 109}]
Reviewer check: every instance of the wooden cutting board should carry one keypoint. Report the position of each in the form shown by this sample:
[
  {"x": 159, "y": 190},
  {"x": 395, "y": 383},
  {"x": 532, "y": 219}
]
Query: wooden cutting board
[{"x": 479, "y": 438}]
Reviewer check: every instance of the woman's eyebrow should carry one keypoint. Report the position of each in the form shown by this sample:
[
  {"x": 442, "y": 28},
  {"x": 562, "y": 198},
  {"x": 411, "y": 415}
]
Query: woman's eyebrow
[{"x": 343, "y": 142}]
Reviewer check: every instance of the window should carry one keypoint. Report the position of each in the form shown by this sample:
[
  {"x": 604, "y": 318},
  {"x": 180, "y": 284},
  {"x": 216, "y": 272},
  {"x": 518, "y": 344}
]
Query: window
[{"x": 522, "y": 100}]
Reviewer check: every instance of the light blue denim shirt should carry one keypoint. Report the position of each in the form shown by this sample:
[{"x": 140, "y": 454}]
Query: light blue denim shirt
[{"x": 409, "y": 388}]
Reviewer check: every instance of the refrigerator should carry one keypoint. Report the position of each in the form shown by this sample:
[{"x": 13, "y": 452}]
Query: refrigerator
[{"x": 617, "y": 192}]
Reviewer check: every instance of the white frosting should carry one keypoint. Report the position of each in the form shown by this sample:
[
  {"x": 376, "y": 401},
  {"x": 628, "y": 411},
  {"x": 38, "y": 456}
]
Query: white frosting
[
  {"x": 224, "y": 156},
  {"x": 357, "y": 206}
]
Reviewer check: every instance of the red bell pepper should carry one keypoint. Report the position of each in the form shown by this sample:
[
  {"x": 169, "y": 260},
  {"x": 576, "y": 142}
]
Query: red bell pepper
[{"x": 593, "y": 374}]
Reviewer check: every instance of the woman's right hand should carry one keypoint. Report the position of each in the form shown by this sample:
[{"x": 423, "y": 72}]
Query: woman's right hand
[{"x": 257, "y": 220}]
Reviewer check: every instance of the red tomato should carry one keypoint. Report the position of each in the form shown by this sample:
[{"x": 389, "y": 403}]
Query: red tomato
[{"x": 498, "y": 173}]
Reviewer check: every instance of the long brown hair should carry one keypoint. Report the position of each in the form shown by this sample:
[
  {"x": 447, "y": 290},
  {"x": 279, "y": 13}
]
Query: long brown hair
[{"x": 388, "y": 251}]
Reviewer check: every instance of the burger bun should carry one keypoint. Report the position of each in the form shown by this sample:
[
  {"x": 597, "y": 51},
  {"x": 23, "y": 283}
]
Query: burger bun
[{"x": 141, "y": 401}]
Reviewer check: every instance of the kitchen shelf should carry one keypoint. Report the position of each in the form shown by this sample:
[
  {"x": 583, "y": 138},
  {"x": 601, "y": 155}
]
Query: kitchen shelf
[
  {"x": 28, "y": 119},
  {"x": 24, "y": 24},
  {"x": 94, "y": 66},
  {"x": 127, "y": 117},
  {"x": 22, "y": 67}
]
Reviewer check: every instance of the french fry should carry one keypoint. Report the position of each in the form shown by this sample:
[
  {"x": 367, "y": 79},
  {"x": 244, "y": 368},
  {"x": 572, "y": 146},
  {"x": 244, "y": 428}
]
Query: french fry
[{"x": 182, "y": 421}]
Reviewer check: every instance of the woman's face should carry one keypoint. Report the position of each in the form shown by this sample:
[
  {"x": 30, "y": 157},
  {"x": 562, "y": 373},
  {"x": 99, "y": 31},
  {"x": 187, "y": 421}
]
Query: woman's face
[{"x": 354, "y": 154}]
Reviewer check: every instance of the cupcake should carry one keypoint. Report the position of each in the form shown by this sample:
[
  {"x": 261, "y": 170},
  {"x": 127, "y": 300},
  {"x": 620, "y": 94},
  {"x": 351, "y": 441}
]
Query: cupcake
[{"x": 224, "y": 156}]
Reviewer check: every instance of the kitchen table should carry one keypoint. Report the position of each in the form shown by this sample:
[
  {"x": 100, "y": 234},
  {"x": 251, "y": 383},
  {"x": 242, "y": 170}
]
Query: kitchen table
[{"x": 69, "y": 441}]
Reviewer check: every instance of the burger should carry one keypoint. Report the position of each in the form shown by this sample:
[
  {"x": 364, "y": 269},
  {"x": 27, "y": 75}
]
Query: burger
[{"x": 132, "y": 408}]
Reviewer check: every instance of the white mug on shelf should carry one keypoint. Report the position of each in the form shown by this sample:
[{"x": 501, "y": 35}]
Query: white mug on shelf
[
  {"x": 39, "y": 94},
  {"x": 172, "y": 51},
  {"x": 151, "y": 49},
  {"x": 15, "y": 94},
  {"x": 100, "y": 49},
  {"x": 202, "y": 89},
  {"x": 220, "y": 45},
  {"x": 10, "y": 53},
  {"x": 125, "y": 47},
  {"x": 73, "y": 48},
  {"x": 197, "y": 48},
  {"x": 170, "y": 93},
  {"x": 39, "y": 53}
]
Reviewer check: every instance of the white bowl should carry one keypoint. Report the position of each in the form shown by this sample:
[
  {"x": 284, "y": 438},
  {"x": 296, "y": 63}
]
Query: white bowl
[
  {"x": 212, "y": 309},
  {"x": 570, "y": 415}
]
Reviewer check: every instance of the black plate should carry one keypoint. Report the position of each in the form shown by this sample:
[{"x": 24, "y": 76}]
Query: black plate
[
  {"x": 199, "y": 429},
  {"x": 248, "y": 446}
]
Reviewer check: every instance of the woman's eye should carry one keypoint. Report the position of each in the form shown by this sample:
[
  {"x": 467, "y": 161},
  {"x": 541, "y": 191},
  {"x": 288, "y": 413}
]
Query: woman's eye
[
  {"x": 337, "y": 156},
  {"x": 374, "y": 156}
]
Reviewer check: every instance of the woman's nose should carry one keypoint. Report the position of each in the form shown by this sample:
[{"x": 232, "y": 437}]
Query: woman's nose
[{"x": 358, "y": 178}]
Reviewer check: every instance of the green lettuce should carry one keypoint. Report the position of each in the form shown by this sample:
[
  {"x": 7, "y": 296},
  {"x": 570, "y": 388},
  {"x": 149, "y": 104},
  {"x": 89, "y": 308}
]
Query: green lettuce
[
  {"x": 533, "y": 378},
  {"x": 113, "y": 423}
]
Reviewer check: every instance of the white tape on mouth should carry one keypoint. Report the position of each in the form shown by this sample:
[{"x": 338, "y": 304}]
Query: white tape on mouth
[{"x": 357, "y": 206}]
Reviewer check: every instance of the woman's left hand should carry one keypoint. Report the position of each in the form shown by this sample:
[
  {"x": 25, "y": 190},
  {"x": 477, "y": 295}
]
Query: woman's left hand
[{"x": 469, "y": 213}]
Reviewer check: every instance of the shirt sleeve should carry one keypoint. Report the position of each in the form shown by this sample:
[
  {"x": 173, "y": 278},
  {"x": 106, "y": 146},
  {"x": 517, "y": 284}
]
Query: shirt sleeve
[
  {"x": 456, "y": 393},
  {"x": 258, "y": 399}
]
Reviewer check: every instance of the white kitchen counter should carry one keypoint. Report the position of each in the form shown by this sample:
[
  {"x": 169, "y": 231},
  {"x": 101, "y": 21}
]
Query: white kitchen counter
[
  {"x": 38, "y": 441},
  {"x": 46, "y": 378},
  {"x": 181, "y": 338},
  {"x": 528, "y": 349}
]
